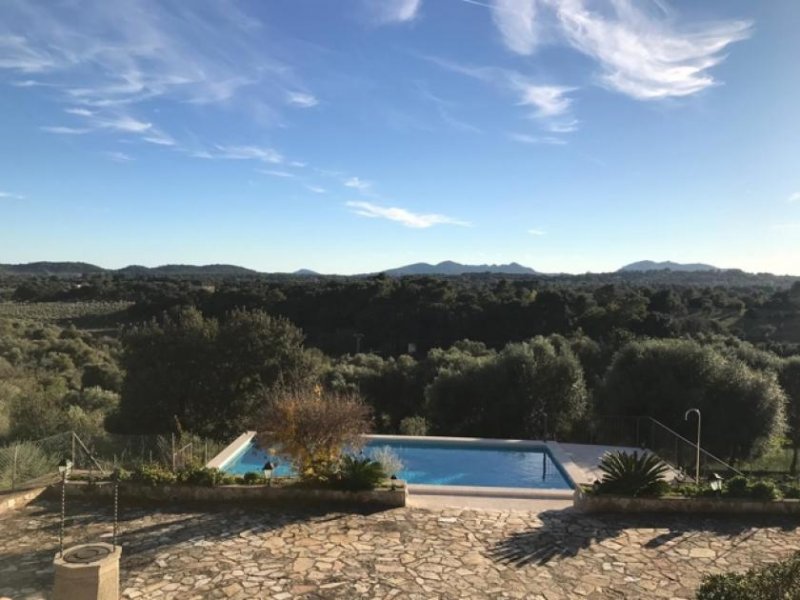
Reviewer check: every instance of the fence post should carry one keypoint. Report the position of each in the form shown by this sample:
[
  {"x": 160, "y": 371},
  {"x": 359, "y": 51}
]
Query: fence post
[
  {"x": 172, "y": 438},
  {"x": 14, "y": 467}
]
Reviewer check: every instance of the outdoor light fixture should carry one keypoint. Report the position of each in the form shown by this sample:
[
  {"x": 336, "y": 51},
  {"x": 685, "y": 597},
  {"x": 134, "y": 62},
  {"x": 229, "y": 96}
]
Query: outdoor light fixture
[
  {"x": 268, "y": 468},
  {"x": 697, "y": 459},
  {"x": 394, "y": 482},
  {"x": 716, "y": 483},
  {"x": 65, "y": 467}
]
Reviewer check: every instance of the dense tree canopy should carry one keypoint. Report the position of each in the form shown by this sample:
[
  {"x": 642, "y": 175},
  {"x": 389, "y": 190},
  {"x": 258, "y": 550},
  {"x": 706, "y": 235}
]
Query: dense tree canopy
[
  {"x": 528, "y": 389},
  {"x": 205, "y": 375},
  {"x": 743, "y": 409}
]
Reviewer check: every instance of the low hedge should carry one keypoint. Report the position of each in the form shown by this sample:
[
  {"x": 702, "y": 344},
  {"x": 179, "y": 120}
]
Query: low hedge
[{"x": 779, "y": 581}]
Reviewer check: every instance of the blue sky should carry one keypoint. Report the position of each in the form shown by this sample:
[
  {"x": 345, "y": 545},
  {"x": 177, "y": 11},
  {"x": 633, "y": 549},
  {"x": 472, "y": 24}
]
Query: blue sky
[{"x": 357, "y": 135}]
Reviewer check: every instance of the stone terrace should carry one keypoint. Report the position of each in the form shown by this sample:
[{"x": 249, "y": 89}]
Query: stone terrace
[{"x": 402, "y": 553}]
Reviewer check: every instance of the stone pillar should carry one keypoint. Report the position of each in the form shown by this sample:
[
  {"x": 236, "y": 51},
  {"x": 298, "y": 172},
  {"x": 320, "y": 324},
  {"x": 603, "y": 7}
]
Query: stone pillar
[{"x": 87, "y": 572}]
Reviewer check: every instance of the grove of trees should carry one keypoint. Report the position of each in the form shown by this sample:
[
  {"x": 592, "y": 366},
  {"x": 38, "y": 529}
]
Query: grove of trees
[{"x": 491, "y": 356}]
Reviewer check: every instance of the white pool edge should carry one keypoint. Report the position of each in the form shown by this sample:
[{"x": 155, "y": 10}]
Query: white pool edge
[
  {"x": 574, "y": 474},
  {"x": 231, "y": 451}
]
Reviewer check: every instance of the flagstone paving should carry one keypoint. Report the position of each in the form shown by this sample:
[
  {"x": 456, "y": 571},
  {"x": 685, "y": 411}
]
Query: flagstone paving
[{"x": 404, "y": 553}]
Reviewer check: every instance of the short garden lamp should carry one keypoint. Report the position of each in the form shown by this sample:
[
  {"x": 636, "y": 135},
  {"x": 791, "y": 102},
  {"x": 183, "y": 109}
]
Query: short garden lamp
[
  {"x": 268, "y": 469},
  {"x": 64, "y": 467},
  {"x": 716, "y": 483},
  {"x": 393, "y": 478}
]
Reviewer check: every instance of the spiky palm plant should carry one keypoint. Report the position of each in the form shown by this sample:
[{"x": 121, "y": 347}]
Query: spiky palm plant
[{"x": 632, "y": 474}]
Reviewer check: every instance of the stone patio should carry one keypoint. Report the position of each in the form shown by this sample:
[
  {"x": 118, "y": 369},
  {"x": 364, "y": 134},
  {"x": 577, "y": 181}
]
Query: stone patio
[{"x": 402, "y": 553}]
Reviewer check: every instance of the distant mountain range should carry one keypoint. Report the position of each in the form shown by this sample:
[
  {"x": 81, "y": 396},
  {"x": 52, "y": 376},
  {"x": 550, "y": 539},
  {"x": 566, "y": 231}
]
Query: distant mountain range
[
  {"x": 649, "y": 265},
  {"x": 79, "y": 268},
  {"x": 448, "y": 267}
]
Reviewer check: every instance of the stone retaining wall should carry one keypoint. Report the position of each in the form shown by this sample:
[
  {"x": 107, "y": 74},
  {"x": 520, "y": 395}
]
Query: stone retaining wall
[
  {"x": 588, "y": 503},
  {"x": 378, "y": 498}
]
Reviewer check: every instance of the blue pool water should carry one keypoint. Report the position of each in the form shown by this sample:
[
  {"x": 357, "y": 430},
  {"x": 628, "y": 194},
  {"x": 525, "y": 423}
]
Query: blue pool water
[{"x": 444, "y": 464}]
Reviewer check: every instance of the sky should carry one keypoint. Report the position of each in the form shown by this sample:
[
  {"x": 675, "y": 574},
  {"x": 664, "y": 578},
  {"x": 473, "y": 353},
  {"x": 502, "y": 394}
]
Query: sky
[{"x": 360, "y": 135}]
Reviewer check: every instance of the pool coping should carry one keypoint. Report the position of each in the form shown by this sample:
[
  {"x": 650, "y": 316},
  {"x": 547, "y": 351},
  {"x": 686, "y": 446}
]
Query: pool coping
[
  {"x": 574, "y": 475},
  {"x": 231, "y": 451}
]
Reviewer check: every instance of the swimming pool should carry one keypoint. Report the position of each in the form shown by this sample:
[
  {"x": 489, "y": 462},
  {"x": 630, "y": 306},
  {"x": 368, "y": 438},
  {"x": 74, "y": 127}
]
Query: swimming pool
[{"x": 443, "y": 463}]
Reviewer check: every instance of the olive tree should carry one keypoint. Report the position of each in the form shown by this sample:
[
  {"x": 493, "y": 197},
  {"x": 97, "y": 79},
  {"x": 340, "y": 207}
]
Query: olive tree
[
  {"x": 789, "y": 377},
  {"x": 526, "y": 390},
  {"x": 742, "y": 408}
]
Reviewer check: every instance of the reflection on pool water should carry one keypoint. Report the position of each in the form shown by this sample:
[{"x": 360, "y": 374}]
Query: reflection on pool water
[{"x": 439, "y": 463}]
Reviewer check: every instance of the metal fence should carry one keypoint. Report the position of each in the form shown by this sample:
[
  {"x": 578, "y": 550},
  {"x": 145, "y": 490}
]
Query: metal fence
[
  {"x": 31, "y": 463},
  {"x": 651, "y": 434},
  {"x": 25, "y": 464}
]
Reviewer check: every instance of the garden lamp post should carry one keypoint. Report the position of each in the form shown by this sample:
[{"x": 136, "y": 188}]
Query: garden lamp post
[
  {"x": 393, "y": 479},
  {"x": 64, "y": 468},
  {"x": 115, "y": 476},
  {"x": 268, "y": 468},
  {"x": 697, "y": 459},
  {"x": 716, "y": 483}
]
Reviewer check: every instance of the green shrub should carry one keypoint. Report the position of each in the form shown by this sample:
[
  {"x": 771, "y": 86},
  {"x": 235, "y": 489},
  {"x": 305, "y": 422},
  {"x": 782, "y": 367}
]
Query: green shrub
[
  {"x": 414, "y": 426},
  {"x": 738, "y": 487},
  {"x": 253, "y": 478},
  {"x": 791, "y": 490},
  {"x": 153, "y": 474},
  {"x": 632, "y": 474},
  {"x": 764, "y": 490},
  {"x": 779, "y": 581},
  {"x": 692, "y": 490},
  {"x": 202, "y": 476},
  {"x": 357, "y": 474}
]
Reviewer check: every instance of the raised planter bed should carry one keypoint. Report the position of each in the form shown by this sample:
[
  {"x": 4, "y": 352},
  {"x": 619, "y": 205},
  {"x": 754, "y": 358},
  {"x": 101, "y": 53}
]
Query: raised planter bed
[
  {"x": 382, "y": 497},
  {"x": 589, "y": 503}
]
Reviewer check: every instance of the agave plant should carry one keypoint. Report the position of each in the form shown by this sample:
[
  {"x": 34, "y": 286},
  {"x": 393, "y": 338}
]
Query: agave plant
[{"x": 632, "y": 474}]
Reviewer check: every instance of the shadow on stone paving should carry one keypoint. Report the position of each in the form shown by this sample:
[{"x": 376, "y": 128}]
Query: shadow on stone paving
[
  {"x": 140, "y": 535},
  {"x": 564, "y": 534}
]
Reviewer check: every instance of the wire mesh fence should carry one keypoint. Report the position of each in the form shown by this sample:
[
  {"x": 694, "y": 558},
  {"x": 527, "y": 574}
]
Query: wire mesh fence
[
  {"x": 31, "y": 463},
  {"x": 26, "y": 464}
]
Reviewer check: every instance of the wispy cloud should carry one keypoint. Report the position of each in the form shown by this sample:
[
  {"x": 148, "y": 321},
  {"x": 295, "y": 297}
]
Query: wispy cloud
[
  {"x": 316, "y": 189},
  {"x": 642, "y": 54},
  {"x": 516, "y": 20},
  {"x": 547, "y": 103},
  {"x": 537, "y": 232},
  {"x": 402, "y": 216},
  {"x": 62, "y": 130},
  {"x": 301, "y": 99},
  {"x": 159, "y": 138},
  {"x": 525, "y": 138},
  {"x": 547, "y": 100},
  {"x": 104, "y": 60},
  {"x": 119, "y": 157},
  {"x": 17, "y": 53},
  {"x": 445, "y": 110},
  {"x": 124, "y": 124},
  {"x": 357, "y": 184},
  {"x": 794, "y": 198},
  {"x": 383, "y": 12},
  {"x": 276, "y": 173},
  {"x": 81, "y": 112},
  {"x": 10, "y": 196},
  {"x": 266, "y": 155}
]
